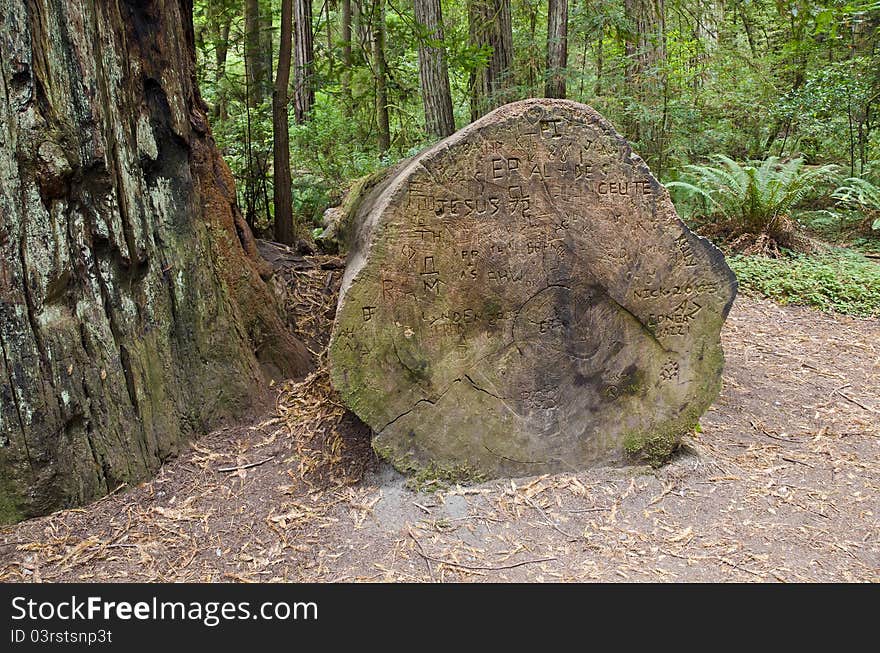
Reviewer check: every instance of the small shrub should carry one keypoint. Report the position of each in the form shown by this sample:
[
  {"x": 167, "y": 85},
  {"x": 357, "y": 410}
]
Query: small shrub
[{"x": 311, "y": 195}]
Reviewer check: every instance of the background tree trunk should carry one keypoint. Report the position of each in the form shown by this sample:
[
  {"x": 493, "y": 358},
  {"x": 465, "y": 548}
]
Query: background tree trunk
[
  {"x": 600, "y": 57},
  {"x": 304, "y": 62},
  {"x": 254, "y": 54},
  {"x": 557, "y": 47},
  {"x": 284, "y": 228},
  {"x": 489, "y": 25},
  {"x": 645, "y": 48},
  {"x": 267, "y": 47},
  {"x": 433, "y": 73},
  {"x": 346, "y": 56},
  {"x": 381, "y": 75},
  {"x": 258, "y": 67},
  {"x": 220, "y": 23},
  {"x": 132, "y": 312}
]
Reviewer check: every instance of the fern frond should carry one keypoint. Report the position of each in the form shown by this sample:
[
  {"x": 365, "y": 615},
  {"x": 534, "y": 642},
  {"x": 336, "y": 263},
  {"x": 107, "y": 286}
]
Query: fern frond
[
  {"x": 858, "y": 191},
  {"x": 754, "y": 194},
  {"x": 691, "y": 189}
]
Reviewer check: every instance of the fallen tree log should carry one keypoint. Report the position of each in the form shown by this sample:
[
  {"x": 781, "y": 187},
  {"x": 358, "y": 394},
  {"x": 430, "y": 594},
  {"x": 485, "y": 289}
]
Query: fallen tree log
[{"x": 522, "y": 298}]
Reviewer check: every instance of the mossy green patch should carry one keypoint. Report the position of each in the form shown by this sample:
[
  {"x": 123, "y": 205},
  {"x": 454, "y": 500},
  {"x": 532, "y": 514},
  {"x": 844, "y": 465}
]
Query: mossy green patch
[
  {"x": 439, "y": 477},
  {"x": 656, "y": 446},
  {"x": 633, "y": 383},
  {"x": 9, "y": 510},
  {"x": 434, "y": 476},
  {"x": 10, "y": 505}
]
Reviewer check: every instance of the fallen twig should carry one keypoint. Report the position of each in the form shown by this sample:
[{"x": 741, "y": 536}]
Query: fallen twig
[
  {"x": 797, "y": 462},
  {"x": 597, "y": 509},
  {"x": 248, "y": 466},
  {"x": 547, "y": 521},
  {"x": 482, "y": 568},
  {"x": 857, "y": 403},
  {"x": 761, "y": 429},
  {"x": 422, "y": 553}
]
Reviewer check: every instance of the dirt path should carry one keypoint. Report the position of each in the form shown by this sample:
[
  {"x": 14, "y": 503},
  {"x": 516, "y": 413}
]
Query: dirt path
[{"x": 783, "y": 483}]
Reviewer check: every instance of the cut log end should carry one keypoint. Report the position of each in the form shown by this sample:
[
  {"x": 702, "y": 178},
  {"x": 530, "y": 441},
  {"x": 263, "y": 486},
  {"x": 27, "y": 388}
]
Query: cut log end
[{"x": 522, "y": 298}]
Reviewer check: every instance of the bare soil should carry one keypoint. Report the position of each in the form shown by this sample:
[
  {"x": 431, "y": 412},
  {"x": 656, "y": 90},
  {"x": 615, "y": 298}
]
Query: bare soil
[{"x": 781, "y": 483}]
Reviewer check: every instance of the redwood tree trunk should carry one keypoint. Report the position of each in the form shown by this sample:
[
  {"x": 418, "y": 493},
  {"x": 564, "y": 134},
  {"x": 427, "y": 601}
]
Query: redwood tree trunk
[
  {"x": 284, "y": 230},
  {"x": 489, "y": 25},
  {"x": 132, "y": 311},
  {"x": 383, "y": 124},
  {"x": 433, "y": 73},
  {"x": 557, "y": 47},
  {"x": 645, "y": 49},
  {"x": 346, "y": 56},
  {"x": 304, "y": 92}
]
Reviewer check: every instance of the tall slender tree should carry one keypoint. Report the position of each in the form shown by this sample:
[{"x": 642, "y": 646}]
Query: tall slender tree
[
  {"x": 490, "y": 27},
  {"x": 258, "y": 73},
  {"x": 219, "y": 23},
  {"x": 346, "y": 56},
  {"x": 267, "y": 48},
  {"x": 304, "y": 60},
  {"x": 600, "y": 56},
  {"x": 645, "y": 80},
  {"x": 258, "y": 67},
  {"x": 433, "y": 72},
  {"x": 530, "y": 59},
  {"x": 284, "y": 227},
  {"x": 328, "y": 31},
  {"x": 557, "y": 47},
  {"x": 380, "y": 74}
]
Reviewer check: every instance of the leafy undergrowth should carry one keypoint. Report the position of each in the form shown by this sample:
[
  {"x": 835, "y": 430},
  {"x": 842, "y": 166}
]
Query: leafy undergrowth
[{"x": 838, "y": 280}]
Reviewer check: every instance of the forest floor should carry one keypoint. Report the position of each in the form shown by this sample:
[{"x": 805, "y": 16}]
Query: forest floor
[{"x": 781, "y": 484}]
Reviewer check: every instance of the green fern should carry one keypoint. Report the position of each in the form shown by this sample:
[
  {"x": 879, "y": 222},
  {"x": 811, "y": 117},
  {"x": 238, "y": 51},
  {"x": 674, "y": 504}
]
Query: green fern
[
  {"x": 859, "y": 192},
  {"x": 754, "y": 196}
]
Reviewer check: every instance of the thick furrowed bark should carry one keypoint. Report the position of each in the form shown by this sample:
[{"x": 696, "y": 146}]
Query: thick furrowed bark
[{"x": 131, "y": 316}]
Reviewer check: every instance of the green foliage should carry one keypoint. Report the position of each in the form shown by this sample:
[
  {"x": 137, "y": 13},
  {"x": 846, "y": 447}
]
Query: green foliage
[
  {"x": 752, "y": 197},
  {"x": 330, "y": 145},
  {"x": 818, "y": 112},
  {"x": 310, "y": 196},
  {"x": 798, "y": 79},
  {"x": 328, "y": 154},
  {"x": 826, "y": 222},
  {"x": 860, "y": 192},
  {"x": 840, "y": 280}
]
